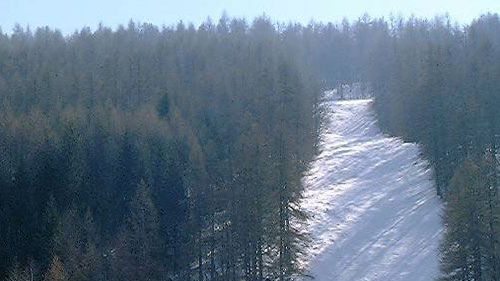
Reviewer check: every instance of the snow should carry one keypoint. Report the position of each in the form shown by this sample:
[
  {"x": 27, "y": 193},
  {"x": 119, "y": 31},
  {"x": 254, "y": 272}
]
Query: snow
[{"x": 371, "y": 199}]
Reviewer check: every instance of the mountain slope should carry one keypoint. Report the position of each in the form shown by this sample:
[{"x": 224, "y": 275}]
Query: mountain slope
[{"x": 374, "y": 212}]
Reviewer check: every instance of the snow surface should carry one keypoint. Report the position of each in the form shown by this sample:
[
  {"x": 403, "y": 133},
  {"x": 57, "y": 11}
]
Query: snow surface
[{"x": 371, "y": 198}]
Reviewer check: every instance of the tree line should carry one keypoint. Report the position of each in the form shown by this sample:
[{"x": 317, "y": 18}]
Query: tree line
[
  {"x": 177, "y": 152},
  {"x": 147, "y": 153}
]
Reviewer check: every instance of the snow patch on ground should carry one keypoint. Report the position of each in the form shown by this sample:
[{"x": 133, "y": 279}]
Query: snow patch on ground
[{"x": 371, "y": 199}]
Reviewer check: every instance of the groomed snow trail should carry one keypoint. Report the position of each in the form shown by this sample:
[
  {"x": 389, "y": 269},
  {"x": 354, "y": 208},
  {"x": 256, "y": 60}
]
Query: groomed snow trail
[{"x": 371, "y": 198}]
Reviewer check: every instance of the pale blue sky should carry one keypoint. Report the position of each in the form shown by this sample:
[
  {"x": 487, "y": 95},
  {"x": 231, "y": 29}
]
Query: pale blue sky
[{"x": 68, "y": 15}]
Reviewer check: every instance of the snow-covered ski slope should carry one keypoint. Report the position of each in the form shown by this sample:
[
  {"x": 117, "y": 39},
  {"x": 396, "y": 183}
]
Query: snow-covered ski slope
[{"x": 371, "y": 198}]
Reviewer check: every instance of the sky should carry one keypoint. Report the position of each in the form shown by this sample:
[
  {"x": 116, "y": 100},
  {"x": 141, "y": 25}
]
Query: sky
[{"x": 70, "y": 15}]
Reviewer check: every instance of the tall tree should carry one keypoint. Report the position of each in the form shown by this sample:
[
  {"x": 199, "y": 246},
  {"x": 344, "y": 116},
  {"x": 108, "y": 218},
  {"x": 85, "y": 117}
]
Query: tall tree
[{"x": 139, "y": 246}]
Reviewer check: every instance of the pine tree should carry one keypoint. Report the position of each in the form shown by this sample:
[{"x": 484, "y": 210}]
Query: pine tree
[
  {"x": 16, "y": 273},
  {"x": 68, "y": 244},
  {"x": 139, "y": 246},
  {"x": 56, "y": 271},
  {"x": 91, "y": 264},
  {"x": 461, "y": 247},
  {"x": 163, "y": 106},
  {"x": 470, "y": 247},
  {"x": 490, "y": 207}
]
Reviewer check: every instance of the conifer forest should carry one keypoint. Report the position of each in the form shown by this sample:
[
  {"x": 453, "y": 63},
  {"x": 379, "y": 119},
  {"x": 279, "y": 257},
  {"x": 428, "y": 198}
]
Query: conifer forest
[{"x": 178, "y": 152}]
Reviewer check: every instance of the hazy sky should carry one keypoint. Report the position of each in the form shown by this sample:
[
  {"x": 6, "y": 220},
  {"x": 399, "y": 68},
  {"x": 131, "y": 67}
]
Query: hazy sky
[{"x": 68, "y": 15}]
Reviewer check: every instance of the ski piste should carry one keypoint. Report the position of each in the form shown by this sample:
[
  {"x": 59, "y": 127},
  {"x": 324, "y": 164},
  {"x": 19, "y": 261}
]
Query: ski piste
[{"x": 374, "y": 213}]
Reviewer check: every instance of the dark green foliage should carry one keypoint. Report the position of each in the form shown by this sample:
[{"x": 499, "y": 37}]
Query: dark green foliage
[
  {"x": 139, "y": 247},
  {"x": 163, "y": 107},
  {"x": 471, "y": 248},
  {"x": 105, "y": 176},
  {"x": 147, "y": 153},
  {"x": 16, "y": 273}
]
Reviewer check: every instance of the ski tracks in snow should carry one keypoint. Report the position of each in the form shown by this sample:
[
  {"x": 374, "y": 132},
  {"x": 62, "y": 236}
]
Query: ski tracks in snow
[{"x": 374, "y": 215}]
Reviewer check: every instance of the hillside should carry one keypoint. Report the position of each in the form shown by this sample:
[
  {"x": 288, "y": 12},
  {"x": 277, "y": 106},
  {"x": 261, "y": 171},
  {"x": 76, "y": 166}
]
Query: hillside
[{"x": 374, "y": 212}]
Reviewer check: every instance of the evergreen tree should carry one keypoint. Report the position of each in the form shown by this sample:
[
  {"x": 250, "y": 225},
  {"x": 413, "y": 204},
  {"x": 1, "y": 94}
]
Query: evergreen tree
[
  {"x": 139, "y": 246},
  {"x": 56, "y": 271},
  {"x": 163, "y": 107},
  {"x": 16, "y": 273},
  {"x": 470, "y": 247}
]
